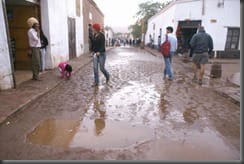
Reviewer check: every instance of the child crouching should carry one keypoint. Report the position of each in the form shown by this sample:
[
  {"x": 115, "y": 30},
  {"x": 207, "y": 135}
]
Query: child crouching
[{"x": 65, "y": 69}]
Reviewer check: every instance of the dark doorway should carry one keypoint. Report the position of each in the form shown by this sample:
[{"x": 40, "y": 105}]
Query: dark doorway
[
  {"x": 185, "y": 31},
  {"x": 72, "y": 40}
]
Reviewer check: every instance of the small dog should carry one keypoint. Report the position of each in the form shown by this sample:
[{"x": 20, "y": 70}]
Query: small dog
[{"x": 65, "y": 69}]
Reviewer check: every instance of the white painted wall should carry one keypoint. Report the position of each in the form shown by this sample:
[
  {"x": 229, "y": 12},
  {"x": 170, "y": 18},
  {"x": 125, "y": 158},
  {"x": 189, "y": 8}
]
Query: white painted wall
[
  {"x": 80, "y": 48},
  {"x": 58, "y": 32},
  {"x": 227, "y": 16},
  {"x": 54, "y": 15},
  {"x": 46, "y": 30},
  {"x": 161, "y": 20},
  {"x": 108, "y": 35},
  {"x": 6, "y": 79}
]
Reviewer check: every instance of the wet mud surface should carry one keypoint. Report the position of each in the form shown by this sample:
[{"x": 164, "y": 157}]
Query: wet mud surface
[{"x": 136, "y": 116}]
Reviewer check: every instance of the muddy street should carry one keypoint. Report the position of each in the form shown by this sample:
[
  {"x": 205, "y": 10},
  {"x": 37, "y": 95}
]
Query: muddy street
[{"x": 136, "y": 116}]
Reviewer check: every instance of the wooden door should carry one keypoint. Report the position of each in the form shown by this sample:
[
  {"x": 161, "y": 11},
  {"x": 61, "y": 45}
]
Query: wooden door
[
  {"x": 72, "y": 38},
  {"x": 17, "y": 17}
]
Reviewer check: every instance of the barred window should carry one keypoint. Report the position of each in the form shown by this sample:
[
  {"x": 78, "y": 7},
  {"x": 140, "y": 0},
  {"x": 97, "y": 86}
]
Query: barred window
[{"x": 232, "y": 40}]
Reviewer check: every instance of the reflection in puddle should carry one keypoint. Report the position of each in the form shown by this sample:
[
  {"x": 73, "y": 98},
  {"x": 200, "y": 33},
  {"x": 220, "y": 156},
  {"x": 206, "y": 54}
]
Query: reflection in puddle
[
  {"x": 124, "y": 56},
  {"x": 138, "y": 102},
  {"x": 176, "y": 116},
  {"x": 113, "y": 135},
  {"x": 54, "y": 132},
  {"x": 89, "y": 134}
]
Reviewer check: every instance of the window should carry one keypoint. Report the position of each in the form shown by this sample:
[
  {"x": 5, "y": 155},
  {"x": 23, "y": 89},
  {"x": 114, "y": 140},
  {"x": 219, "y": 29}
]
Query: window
[
  {"x": 90, "y": 15},
  {"x": 232, "y": 40}
]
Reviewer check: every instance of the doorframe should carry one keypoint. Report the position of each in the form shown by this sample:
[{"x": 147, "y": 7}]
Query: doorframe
[{"x": 9, "y": 41}]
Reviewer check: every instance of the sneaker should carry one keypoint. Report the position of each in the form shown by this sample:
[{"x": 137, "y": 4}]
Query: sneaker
[
  {"x": 94, "y": 85},
  {"x": 36, "y": 79},
  {"x": 194, "y": 79},
  {"x": 107, "y": 79},
  {"x": 200, "y": 82}
]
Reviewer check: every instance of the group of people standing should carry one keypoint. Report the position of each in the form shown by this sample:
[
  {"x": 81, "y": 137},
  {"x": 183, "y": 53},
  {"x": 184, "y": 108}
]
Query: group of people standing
[{"x": 201, "y": 45}]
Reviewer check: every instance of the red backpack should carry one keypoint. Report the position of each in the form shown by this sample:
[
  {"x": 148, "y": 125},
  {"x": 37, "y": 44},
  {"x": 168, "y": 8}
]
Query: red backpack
[{"x": 165, "y": 47}]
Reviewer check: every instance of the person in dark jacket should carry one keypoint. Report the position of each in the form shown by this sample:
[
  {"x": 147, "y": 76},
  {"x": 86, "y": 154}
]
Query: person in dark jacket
[
  {"x": 44, "y": 44},
  {"x": 99, "y": 54},
  {"x": 202, "y": 45}
]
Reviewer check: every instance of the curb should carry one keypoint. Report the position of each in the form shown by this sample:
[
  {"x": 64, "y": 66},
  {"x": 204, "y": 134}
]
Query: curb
[
  {"x": 233, "y": 99},
  {"x": 40, "y": 94},
  {"x": 3, "y": 119}
]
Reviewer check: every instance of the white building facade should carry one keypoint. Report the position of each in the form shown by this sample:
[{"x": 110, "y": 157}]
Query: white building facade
[
  {"x": 6, "y": 75},
  {"x": 61, "y": 22},
  {"x": 221, "y": 19},
  {"x": 60, "y": 27},
  {"x": 109, "y": 35}
]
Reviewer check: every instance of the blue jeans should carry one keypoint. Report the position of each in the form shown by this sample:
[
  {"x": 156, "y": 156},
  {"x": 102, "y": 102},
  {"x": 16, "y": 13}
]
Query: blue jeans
[
  {"x": 101, "y": 60},
  {"x": 168, "y": 67}
]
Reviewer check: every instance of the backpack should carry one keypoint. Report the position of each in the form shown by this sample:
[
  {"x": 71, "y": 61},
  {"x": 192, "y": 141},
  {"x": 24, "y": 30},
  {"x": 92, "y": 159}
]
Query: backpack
[{"x": 165, "y": 47}]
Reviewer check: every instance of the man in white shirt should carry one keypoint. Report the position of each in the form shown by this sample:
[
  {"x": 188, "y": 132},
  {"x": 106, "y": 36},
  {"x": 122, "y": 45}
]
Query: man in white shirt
[
  {"x": 35, "y": 44},
  {"x": 173, "y": 47}
]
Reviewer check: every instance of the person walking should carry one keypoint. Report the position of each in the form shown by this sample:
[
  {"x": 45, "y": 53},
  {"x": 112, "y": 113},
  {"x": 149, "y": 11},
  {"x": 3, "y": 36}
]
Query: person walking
[
  {"x": 99, "y": 54},
  {"x": 168, "y": 71},
  {"x": 35, "y": 44},
  {"x": 202, "y": 45},
  {"x": 44, "y": 44}
]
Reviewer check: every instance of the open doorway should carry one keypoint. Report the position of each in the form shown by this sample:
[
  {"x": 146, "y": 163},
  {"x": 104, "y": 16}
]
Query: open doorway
[
  {"x": 18, "y": 11},
  {"x": 185, "y": 30}
]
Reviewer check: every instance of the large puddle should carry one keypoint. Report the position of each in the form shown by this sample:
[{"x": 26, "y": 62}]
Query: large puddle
[
  {"x": 95, "y": 134},
  {"x": 102, "y": 134},
  {"x": 137, "y": 115}
]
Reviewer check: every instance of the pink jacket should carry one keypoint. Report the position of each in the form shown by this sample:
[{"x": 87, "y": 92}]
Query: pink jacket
[{"x": 62, "y": 68}]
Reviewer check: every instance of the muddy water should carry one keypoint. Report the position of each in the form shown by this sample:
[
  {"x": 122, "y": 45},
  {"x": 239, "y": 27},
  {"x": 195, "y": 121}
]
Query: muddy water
[
  {"x": 95, "y": 134},
  {"x": 136, "y": 116}
]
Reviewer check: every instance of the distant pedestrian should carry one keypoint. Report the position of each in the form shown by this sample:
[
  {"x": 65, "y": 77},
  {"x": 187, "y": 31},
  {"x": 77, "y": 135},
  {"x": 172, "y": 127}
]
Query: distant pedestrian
[
  {"x": 34, "y": 44},
  {"x": 99, "y": 54},
  {"x": 90, "y": 36},
  {"x": 65, "y": 69},
  {"x": 168, "y": 71},
  {"x": 202, "y": 45},
  {"x": 44, "y": 44},
  {"x": 159, "y": 42}
]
